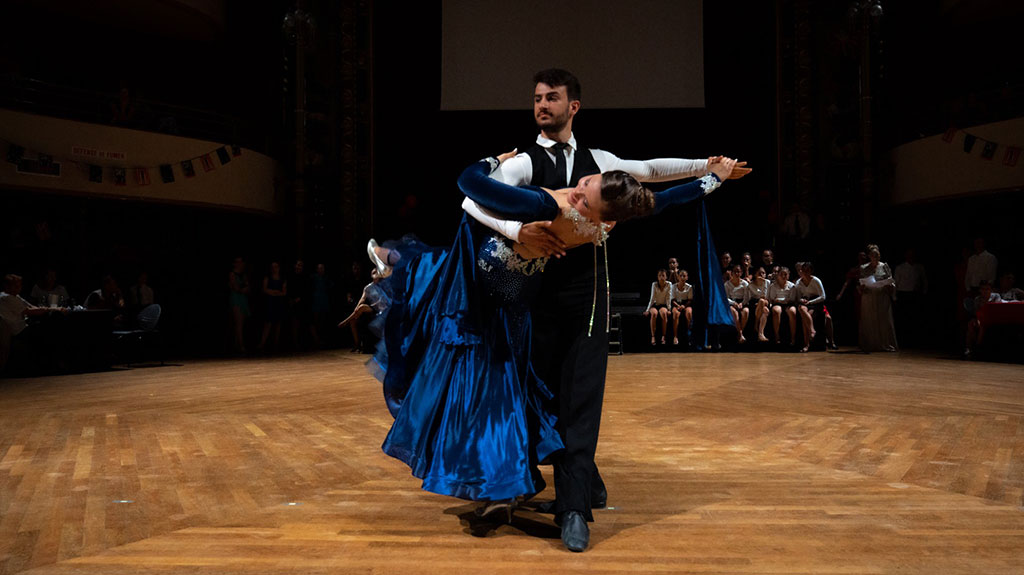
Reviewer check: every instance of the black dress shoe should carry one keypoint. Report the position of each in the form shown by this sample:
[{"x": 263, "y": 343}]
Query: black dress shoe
[{"x": 575, "y": 533}]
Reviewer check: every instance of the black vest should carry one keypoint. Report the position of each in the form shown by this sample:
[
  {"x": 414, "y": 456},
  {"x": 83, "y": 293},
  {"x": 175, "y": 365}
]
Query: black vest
[
  {"x": 583, "y": 164},
  {"x": 569, "y": 282}
]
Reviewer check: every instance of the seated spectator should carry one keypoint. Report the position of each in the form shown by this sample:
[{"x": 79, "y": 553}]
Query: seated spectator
[
  {"x": 985, "y": 295},
  {"x": 757, "y": 300},
  {"x": 373, "y": 300},
  {"x": 1007, "y": 291},
  {"x": 658, "y": 306},
  {"x": 673, "y": 270},
  {"x": 726, "y": 261},
  {"x": 14, "y": 315},
  {"x": 769, "y": 265},
  {"x": 108, "y": 297},
  {"x": 810, "y": 297},
  {"x": 748, "y": 267},
  {"x": 47, "y": 287},
  {"x": 682, "y": 304},
  {"x": 140, "y": 295},
  {"x": 781, "y": 296},
  {"x": 736, "y": 291}
]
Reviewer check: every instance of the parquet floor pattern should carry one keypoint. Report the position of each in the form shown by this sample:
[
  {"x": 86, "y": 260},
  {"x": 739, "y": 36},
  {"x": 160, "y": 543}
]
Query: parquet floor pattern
[{"x": 716, "y": 463}]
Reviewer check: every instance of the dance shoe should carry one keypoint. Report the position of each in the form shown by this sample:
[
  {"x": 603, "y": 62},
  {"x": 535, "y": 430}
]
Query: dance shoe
[
  {"x": 383, "y": 269},
  {"x": 493, "y": 510},
  {"x": 575, "y": 533}
]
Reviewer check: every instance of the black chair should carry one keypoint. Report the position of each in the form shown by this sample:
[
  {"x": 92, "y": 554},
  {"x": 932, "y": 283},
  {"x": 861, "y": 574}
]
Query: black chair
[{"x": 146, "y": 322}]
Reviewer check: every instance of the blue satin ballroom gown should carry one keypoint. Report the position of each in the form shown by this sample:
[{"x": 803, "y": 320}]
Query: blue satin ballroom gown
[{"x": 472, "y": 419}]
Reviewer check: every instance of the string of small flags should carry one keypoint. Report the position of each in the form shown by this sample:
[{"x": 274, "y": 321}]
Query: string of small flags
[
  {"x": 1010, "y": 154},
  {"x": 39, "y": 163}
]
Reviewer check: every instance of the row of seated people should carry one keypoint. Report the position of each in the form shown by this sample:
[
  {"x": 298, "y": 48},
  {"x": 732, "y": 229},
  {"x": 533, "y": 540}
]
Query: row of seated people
[
  {"x": 760, "y": 298},
  {"x": 35, "y": 336}
]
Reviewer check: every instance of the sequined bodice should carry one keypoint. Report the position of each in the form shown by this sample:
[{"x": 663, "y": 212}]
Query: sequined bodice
[{"x": 505, "y": 275}]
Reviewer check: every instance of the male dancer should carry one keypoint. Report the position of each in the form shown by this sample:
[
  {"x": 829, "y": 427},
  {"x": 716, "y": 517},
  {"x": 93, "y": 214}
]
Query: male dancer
[{"x": 570, "y": 341}]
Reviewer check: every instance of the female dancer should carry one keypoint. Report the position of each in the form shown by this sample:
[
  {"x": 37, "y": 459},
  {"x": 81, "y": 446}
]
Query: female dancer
[{"x": 472, "y": 420}]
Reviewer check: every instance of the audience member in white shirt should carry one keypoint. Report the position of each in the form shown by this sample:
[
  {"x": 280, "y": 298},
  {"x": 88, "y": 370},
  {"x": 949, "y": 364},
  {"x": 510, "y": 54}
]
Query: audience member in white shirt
[
  {"x": 757, "y": 298},
  {"x": 47, "y": 287},
  {"x": 810, "y": 294},
  {"x": 781, "y": 294},
  {"x": 981, "y": 267},
  {"x": 736, "y": 291},
  {"x": 658, "y": 306},
  {"x": 14, "y": 314},
  {"x": 682, "y": 303}
]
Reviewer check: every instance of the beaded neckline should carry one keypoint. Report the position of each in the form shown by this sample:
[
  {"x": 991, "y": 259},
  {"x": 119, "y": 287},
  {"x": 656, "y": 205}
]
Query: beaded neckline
[{"x": 586, "y": 228}]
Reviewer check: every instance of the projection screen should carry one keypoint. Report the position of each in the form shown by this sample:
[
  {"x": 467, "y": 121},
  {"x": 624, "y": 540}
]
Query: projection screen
[{"x": 636, "y": 54}]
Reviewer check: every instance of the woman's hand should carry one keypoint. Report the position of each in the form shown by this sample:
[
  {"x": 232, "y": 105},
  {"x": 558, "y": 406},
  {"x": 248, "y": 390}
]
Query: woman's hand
[
  {"x": 507, "y": 155},
  {"x": 722, "y": 168}
]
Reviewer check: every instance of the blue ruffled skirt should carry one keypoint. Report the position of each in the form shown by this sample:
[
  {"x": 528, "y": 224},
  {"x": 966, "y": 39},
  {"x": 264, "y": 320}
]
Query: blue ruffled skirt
[{"x": 472, "y": 420}]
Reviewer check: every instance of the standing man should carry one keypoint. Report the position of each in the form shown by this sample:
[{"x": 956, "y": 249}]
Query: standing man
[{"x": 570, "y": 339}]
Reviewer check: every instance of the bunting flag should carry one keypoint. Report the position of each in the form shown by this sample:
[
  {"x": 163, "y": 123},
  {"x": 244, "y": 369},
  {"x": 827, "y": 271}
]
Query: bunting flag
[
  {"x": 42, "y": 163},
  {"x": 1011, "y": 156},
  {"x": 969, "y": 140},
  {"x": 989, "y": 150},
  {"x": 949, "y": 135},
  {"x": 167, "y": 174}
]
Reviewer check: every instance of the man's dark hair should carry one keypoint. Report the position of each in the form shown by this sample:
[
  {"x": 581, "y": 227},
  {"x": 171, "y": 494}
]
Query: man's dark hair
[{"x": 556, "y": 77}]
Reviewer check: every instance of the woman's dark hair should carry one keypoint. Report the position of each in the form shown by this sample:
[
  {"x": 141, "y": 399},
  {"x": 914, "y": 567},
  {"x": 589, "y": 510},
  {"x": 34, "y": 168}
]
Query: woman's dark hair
[
  {"x": 624, "y": 197},
  {"x": 556, "y": 77}
]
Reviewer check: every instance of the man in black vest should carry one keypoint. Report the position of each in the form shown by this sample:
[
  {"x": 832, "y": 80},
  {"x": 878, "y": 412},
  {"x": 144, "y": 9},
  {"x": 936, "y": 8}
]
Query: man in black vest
[{"x": 570, "y": 339}]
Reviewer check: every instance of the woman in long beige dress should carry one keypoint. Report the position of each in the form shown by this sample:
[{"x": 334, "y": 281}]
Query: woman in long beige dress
[{"x": 877, "y": 330}]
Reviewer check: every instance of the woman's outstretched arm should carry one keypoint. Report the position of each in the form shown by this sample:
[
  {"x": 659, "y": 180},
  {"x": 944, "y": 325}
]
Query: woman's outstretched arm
[{"x": 522, "y": 204}]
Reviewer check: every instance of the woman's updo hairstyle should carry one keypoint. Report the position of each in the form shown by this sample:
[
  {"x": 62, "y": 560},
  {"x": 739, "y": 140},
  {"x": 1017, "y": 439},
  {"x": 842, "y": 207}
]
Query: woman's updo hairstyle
[{"x": 624, "y": 197}]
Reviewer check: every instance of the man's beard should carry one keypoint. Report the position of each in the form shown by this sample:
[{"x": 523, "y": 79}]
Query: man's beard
[{"x": 553, "y": 123}]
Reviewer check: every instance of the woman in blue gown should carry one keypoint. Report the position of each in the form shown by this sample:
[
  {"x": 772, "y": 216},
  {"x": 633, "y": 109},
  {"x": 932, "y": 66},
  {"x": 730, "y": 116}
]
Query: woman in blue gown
[{"x": 472, "y": 419}]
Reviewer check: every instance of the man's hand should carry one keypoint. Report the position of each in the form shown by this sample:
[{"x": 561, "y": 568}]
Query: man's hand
[
  {"x": 507, "y": 155},
  {"x": 738, "y": 171},
  {"x": 538, "y": 237}
]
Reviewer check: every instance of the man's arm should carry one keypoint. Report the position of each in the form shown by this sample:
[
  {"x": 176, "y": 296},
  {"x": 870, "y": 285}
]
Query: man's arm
[
  {"x": 515, "y": 171},
  {"x": 657, "y": 170}
]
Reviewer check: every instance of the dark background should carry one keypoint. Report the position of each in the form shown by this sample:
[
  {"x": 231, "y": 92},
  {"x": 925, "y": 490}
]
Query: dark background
[{"x": 389, "y": 157}]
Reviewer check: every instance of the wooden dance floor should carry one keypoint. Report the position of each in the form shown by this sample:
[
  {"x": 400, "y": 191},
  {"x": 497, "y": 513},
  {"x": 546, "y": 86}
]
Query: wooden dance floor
[{"x": 715, "y": 463}]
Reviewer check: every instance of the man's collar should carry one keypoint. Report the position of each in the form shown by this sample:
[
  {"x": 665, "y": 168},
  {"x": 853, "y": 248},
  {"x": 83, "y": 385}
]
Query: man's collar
[{"x": 547, "y": 142}]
